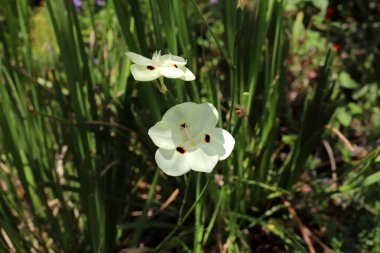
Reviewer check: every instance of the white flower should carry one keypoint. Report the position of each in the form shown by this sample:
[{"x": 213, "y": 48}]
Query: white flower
[
  {"x": 167, "y": 65},
  {"x": 188, "y": 139}
]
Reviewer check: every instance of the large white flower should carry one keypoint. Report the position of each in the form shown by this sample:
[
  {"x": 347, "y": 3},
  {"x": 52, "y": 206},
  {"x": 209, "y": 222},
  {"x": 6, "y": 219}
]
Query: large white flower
[
  {"x": 167, "y": 65},
  {"x": 188, "y": 139}
]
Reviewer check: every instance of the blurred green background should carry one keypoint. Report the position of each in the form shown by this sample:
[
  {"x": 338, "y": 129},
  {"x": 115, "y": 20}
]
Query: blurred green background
[{"x": 296, "y": 82}]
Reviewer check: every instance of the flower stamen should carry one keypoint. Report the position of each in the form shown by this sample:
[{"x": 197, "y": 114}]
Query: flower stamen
[
  {"x": 185, "y": 127},
  {"x": 150, "y": 67}
]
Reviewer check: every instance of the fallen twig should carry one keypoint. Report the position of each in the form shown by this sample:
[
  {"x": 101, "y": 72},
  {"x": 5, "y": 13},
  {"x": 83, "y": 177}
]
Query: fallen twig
[{"x": 306, "y": 233}]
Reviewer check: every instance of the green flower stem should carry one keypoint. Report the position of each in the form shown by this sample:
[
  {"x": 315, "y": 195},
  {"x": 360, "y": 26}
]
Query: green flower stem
[
  {"x": 142, "y": 221},
  {"x": 169, "y": 236},
  {"x": 233, "y": 102},
  {"x": 187, "y": 183},
  {"x": 211, "y": 224},
  {"x": 198, "y": 235}
]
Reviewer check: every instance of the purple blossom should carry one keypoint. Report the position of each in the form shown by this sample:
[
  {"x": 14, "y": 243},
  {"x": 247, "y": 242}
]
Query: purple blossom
[
  {"x": 213, "y": 1},
  {"x": 78, "y": 4}
]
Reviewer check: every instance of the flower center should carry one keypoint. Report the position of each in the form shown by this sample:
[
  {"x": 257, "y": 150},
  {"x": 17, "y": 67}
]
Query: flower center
[
  {"x": 191, "y": 139},
  {"x": 150, "y": 67},
  {"x": 185, "y": 128}
]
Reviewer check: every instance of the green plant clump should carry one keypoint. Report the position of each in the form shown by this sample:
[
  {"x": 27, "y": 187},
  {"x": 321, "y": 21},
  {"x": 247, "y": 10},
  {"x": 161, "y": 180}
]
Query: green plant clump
[{"x": 78, "y": 170}]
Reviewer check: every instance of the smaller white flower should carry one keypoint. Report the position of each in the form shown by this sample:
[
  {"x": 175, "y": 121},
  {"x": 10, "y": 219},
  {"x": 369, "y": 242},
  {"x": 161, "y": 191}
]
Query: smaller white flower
[
  {"x": 188, "y": 139},
  {"x": 167, "y": 65}
]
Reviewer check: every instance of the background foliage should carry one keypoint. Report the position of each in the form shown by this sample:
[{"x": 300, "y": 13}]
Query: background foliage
[{"x": 293, "y": 81}]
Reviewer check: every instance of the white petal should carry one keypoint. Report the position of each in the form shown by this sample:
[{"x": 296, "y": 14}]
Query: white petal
[
  {"x": 172, "y": 162},
  {"x": 156, "y": 57},
  {"x": 203, "y": 119},
  {"x": 139, "y": 59},
  {"x": 179, "y": 114},
  {"x": 141, "y": 73},
  {"x": 165, "y": 135},
  {"x": 221, "y": 142},
  {"x": 170, "y": 60},
  {"x": 188, "y": 75},
  {"x": 170, "y": 72},
  {"x": 201, "y": 159}
]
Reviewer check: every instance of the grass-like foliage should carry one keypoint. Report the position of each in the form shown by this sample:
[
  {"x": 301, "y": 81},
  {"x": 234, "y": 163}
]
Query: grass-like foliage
[{"x": 77, "y": 167}]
